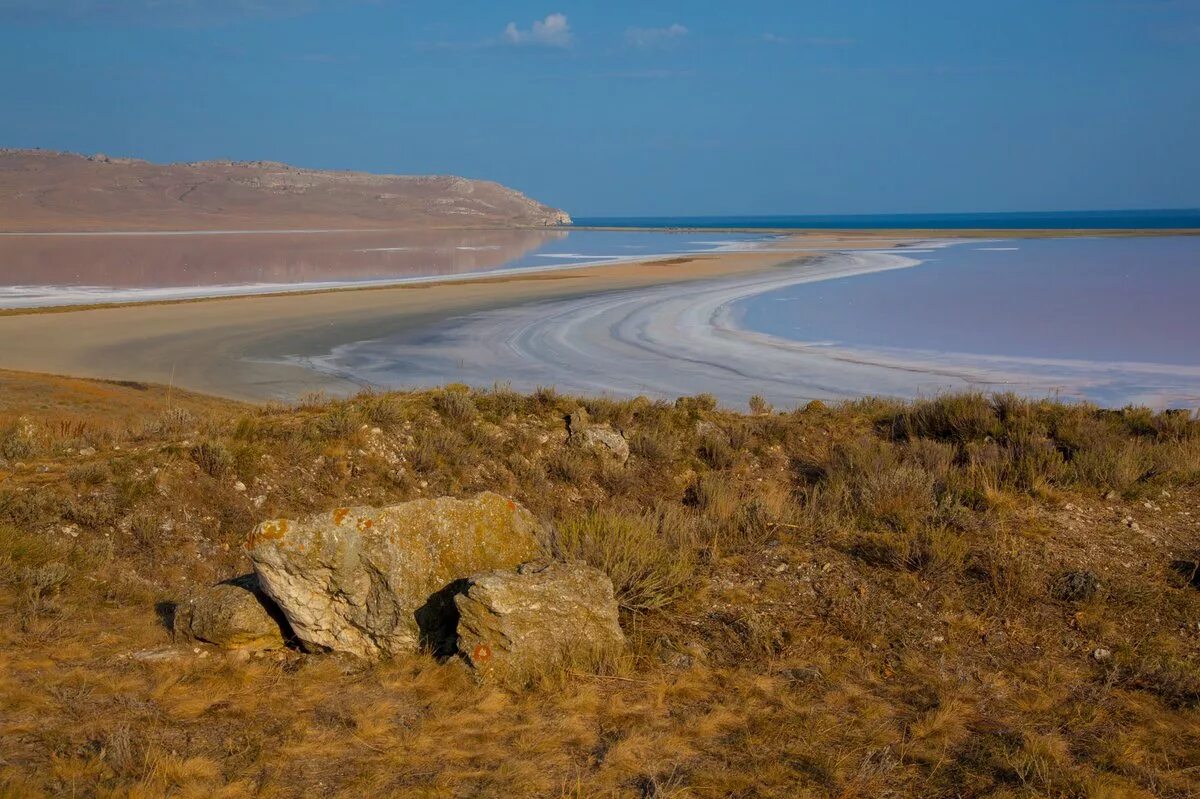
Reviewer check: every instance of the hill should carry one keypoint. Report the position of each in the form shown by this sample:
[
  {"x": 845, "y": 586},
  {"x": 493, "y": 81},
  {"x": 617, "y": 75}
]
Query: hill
[
  {"x": 52, "y": 191},
  {"x": 963, "y": 596}
]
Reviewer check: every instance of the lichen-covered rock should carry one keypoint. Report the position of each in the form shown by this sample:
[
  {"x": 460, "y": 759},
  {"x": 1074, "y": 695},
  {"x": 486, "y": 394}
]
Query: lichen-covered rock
[
  {"x": 372, "y": 581},
  {"x": 599, "y": 438},
  {"x": 515, "y": 621},
  {"x": 233, "y": 615}
]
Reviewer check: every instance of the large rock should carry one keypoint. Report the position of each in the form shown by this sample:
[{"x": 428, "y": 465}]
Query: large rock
[
  {"x": 232, "y": 615},
  {"x": 513, "y": 622},
  {"x": 598, "y": 438},
  {"x": 375, "y": 582}
]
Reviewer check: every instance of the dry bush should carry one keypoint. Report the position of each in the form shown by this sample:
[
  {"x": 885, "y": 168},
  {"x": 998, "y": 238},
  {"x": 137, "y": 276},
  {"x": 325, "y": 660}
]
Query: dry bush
[
  {"x": 656, "y": 445},
  {"x": 385, "y": 411},
  {"x": 953, "y": 417},
  {"x": 759, "y": 406},
  {"x": 456, "y": 407},
  {"x": 716, "y": 451},
  {"x": 212, "y": 457},
  {"x": 650, "y": 557},
  {"x": 1113, "y": 464},
  {"x": 172, "y": 422},
  {"x": 340, "y": 420}
]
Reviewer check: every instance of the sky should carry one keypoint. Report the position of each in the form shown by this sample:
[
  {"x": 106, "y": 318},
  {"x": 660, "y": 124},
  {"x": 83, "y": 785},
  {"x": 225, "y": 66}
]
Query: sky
[{"x": 677, "y": 107}]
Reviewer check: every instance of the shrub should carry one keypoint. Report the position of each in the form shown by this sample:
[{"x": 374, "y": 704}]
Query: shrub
[
  {"x": 339, "y": 421},
  {"x": 953, "y": 417},
  {"x": 17, "y": 441},
  {"x": 212, "y": 458},
  {"x": 759, "y": 406},
  {"x": 455, "y": 407},
  {"x": 385, "y": 411},
  {"x": 649, "y": 557},
  {"x": 715, "y": 451}
]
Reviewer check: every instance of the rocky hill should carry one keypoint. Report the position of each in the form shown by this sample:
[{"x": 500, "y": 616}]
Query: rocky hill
[{"x": 52, "y": 191}]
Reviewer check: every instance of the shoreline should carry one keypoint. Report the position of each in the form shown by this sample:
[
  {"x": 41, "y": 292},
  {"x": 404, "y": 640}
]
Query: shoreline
[
  {"x": 664, "y": 325},
  {"x": 218, "y": 345},
  {"x": 675, "y": 341},
  {"x": 806, "y": 240}
]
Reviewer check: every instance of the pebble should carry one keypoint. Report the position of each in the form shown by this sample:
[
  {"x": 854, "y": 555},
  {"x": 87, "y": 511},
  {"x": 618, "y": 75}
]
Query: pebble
[{"x": 1101, "y": 654}]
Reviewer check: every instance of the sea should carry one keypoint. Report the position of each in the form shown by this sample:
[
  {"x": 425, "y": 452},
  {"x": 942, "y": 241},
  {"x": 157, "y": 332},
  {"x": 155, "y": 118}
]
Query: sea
[{"x": 1149, "y": 219}]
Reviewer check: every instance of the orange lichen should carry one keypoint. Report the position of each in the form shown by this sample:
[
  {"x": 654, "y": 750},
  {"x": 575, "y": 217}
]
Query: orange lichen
[
  {"x": 267, "y": 531},
  {"x": 482, "y": 653},
  {"x": 339, "y": 515},
  {"x": 365, "y": 524}
]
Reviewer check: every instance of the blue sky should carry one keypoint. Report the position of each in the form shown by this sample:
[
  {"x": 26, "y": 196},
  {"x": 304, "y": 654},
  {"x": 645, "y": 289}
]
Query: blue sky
[{"x": 698, "y": 107}]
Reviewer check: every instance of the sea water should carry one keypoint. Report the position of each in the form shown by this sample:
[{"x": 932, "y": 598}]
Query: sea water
[{"x": 1107, "y": 301}]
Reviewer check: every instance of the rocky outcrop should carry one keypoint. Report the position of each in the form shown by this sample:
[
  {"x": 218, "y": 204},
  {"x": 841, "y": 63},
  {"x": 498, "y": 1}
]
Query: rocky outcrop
[
  {"x": 598, "y": 438},
  {"x": 233, "y": 615},
  {"x": 516, "y": 621},
  {"x": 376, "y": 582}
]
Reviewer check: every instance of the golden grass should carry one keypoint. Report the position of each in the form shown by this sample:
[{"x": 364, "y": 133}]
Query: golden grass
[{"x": 847, "y": 601}]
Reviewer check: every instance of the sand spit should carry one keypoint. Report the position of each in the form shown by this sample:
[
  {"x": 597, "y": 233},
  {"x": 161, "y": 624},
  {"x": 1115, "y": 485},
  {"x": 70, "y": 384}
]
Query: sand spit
[{"x": 676, "y": 340}]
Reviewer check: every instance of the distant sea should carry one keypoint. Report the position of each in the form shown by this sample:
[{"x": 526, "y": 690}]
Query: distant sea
[{"x": 1056, "y": 220}]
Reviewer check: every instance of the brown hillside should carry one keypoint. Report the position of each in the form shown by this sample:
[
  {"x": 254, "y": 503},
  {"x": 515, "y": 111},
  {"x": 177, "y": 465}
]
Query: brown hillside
[
  {"x": 51, "y": 191},
  {"x": 959, "y": 597}
]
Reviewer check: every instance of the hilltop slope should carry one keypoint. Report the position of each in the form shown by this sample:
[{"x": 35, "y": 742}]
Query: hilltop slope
[{"x": 52, "y": 191}]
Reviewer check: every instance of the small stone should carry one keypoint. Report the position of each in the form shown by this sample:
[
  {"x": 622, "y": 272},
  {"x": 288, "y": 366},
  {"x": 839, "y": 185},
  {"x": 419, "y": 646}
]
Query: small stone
[
  {"x": 239, "y": 486},
  {"x": 233, "y": 615},
  {"x": 1101, "y": 654},
  {"x": 1076, "y": 586},
  {"x": 600, "y": 438}
]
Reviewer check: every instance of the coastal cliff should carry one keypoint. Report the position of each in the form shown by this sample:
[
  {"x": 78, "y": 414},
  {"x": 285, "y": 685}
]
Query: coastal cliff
[{"x": 52, "y": 191}]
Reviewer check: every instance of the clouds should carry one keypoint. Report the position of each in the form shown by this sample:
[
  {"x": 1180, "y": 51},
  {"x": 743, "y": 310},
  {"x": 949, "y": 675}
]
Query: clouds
[
  {"x": 553, "y": 31},
  {"x": 649, "y": 38}
]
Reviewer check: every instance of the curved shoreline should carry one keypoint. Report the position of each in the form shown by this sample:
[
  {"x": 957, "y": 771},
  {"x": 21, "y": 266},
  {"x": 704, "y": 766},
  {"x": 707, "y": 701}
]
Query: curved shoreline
[{"x": 676, "y": 340}]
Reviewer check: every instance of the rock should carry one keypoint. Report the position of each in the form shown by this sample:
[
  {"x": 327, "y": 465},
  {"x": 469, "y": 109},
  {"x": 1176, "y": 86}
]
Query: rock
[
  {"x": 1076, "y": 586},
  {"x": 707, "y": 429},
  {"x": 1188, "y": 568},
  {"x": 373, "y": 582},
  {"x": 514, "y": 621},
  {"x": 600, "y": 438},
  {"x": 1101, "y": 654},
  {"x": 233, "y": 615}
]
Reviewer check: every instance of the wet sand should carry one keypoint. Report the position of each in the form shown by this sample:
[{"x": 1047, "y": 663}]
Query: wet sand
[{"x": 232, "y": 347}]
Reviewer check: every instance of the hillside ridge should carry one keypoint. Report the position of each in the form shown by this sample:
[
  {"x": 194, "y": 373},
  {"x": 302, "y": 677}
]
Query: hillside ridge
[{"x": 50, "y": 191}]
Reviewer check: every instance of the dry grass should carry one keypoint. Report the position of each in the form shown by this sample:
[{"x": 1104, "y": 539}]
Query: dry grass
[{"x": 964, "y": 596}]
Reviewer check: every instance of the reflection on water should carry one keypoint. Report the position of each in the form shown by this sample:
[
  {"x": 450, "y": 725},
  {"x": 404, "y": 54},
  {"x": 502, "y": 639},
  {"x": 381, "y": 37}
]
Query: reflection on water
[
  {"x": 57, "y": 269},
  {"x": 1110, "y": 299},
  {"x": 1115, "y": 318},
  {"x": 231, "y": 259}
]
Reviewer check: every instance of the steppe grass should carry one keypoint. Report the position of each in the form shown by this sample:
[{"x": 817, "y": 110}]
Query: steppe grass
[{"x": 863, "y": 599}]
